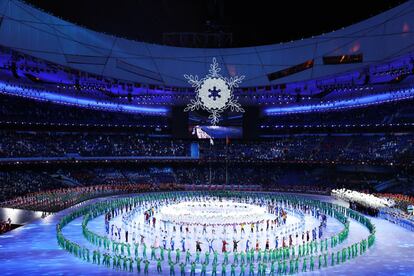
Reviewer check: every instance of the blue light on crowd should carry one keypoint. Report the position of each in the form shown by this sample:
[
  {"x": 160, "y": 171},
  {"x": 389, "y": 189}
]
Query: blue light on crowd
[
  {"x": 82, "y": 102},
  {"x": 342, "y": 104}
]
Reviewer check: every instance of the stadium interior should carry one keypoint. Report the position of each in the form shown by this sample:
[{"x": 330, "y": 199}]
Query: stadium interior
[{"x": 87, "y": 116}]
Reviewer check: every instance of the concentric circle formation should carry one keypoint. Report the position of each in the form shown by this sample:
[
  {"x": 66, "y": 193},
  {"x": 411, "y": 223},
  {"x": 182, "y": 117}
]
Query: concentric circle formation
[
  {"x": 213, "y": 213},
  {"x": 270, "y": 233}
]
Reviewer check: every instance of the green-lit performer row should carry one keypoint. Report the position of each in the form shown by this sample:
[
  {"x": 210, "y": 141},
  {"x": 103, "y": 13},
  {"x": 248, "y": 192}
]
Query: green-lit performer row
[{"x": 279, "y": 261}]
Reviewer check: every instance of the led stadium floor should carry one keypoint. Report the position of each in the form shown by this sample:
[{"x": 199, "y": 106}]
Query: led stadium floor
[{"x": 33, "y": 249}]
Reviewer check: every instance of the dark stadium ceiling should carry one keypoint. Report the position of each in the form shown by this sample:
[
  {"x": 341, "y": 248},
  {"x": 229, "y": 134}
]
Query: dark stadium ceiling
[{"x": 248, "y": 23}]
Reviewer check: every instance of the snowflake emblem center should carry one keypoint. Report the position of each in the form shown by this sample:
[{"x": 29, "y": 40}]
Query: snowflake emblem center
[{"x": 214, "y": 93}]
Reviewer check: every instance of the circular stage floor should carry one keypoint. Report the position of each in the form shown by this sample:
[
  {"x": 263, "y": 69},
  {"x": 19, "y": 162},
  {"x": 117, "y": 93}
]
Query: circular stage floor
[{"x": 33, "y": 249}]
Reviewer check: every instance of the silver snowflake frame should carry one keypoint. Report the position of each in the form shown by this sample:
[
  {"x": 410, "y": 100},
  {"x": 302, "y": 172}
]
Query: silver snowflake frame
[{"x": 232, "y": 83}]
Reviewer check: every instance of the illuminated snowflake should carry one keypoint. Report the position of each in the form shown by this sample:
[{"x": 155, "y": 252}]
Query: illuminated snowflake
[{"x": 214, "y": 93}]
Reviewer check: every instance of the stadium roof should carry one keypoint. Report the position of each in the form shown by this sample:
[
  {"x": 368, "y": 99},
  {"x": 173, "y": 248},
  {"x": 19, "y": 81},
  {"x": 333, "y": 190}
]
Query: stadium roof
[{"x": 39, "y": 34}]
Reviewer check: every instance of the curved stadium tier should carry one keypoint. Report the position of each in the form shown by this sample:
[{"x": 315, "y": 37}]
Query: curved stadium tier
[{"x": 103, "y": 171}]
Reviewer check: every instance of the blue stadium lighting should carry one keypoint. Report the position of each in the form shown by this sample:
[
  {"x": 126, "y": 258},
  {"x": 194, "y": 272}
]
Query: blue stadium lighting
[
  {"x": 82, "y": 102},
  {"x": 343, "y": 104}
]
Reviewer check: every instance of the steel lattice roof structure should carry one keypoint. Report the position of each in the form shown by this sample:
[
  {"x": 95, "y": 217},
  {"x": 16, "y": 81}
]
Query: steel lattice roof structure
[{"x": 31, "y": 31}]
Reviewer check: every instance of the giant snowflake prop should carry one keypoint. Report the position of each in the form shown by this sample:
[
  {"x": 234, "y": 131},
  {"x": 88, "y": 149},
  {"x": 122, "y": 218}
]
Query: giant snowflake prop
[{"x": 214, "y": 93}]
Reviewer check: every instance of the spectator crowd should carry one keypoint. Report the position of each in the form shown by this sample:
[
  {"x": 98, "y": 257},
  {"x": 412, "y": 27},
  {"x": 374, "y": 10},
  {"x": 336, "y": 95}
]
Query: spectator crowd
[{"x": 359, "y": 149}]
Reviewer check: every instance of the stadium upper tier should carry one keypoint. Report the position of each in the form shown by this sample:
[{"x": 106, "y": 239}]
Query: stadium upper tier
[
  {"x": 30, "y": 77},
  {"x": 379, "y": 39},
  {"x": 45, "y": 58},
  {"x": 23, "y": 113}
]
